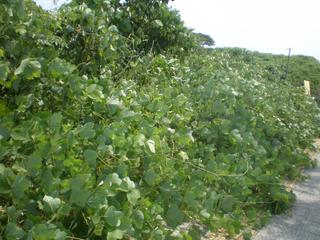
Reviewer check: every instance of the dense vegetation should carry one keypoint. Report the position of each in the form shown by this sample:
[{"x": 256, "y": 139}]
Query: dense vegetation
[
  {"x": 295, "y": 70},
  {"x": 115, "y": 124}
]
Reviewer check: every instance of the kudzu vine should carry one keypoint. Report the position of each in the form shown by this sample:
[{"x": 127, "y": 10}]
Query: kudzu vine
[{"x": 116, "y": 124}]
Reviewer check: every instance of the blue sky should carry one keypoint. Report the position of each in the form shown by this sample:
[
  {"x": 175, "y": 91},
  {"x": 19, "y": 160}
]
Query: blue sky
[{"x": 264, "y": 25}]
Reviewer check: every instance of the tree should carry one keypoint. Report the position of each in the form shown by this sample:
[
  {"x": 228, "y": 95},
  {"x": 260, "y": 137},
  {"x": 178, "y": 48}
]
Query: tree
[{"x": 204, "y": 39}]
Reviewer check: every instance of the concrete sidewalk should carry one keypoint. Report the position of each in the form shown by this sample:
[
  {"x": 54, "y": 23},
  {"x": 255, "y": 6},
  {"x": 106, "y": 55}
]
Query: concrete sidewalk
[{"x": 303, "y": 223}]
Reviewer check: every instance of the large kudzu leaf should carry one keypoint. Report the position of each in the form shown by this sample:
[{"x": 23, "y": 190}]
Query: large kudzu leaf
[
  {"x": 138, "y": 219},
  {"x": 13, "y": 213},
  {"x": 140, "y": 139},
  {"x": 157, "y": 23},
  {"x": 227, "y": 203},
  {"x": 19, "y": 186},
  {"x": 195, "y": 233},
  {"x": 183, "y": 155},
  {"x": 4, "y": 132},
  {"x": 4, "y": 71},
  {"x": 44, "y": 231},
  {"x": 113, "y": 216},
  {"x": 151, "y": 146},
  {"x": 4, "y": 180},
  {"x": 21, "y": 9},
  {"x": 79, "y": 191},
  {"x": 91, "y": 157},
  {"x": 34, "y": 163},
  {"x": 13, "y": 232},
  {"x": 115, "y": 106},
  {"x": 115, "y": 235},
  {"x": 2, "y": 53},
  {"x": 55, "y": 121},
  {"x": 79, "y": 197},
  {"x": 60, "y": 68},
  {"x": 204, "y": 213},
  {"x": 29, "y": 69},
  {"x": 126, "y": 185},
  {"x": 53, "y": 203},
  {"x": 133, "y": 196},
  {"x": 4, "y": 185},
  {"x": 60, "y": 235},
  {"x": 151, "y": 177},
  {"x": 87, "y": 131},
  {"x": 95, "y": 92},
  {"x": 174, "y": 216},
  {"x": 113, "y": 179}
]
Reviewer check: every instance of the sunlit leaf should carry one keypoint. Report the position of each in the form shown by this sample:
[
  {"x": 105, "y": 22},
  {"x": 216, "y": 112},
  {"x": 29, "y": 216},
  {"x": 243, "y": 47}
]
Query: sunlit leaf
[{"x": 29, "y": 68}]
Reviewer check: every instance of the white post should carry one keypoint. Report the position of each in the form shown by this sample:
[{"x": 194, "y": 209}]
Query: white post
[{"x": 307, "y": 88}]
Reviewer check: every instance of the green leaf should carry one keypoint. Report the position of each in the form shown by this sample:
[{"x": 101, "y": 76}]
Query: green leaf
[
  {"x": 195, "y": 233},
  {"x": 151, "y": 177},
  {"x": 113, "y": 216},
  {"x": 55, "y": 121},
  {"x": 183, "y": 155},
  {"x": 20, "y": 135},
  {"x": 13, "y": 213},
  {"x": 204, "y": 213},
  {"x": 60, "y": 235},
  {"x": 91, "y": 157},
  {"x": 4, "y": 71},
  {"x": 19, "y": 186},
  {"x": 114, "y": 106},
  {"x": 53, "y": 203},
  {"x": 60, "y": 68},
  {"x": 113, "y": 29},
  {"x": 130, "y": 184},
  {"x": 113, "y": 178},
  {"x": 151, "y": 145},
  {"x": 227, "y": 203},
  {"x": 158, "y": 235},
  {"x": 98, "y": 229},
  {"x": 126, "y": 185},
  {"x": 138, "y": 219},
  {"x": 29, "y": 69},
  {"x": 252, "y": 214},
  {"x": 95, "y": 92},
  {"x": 79, "y": 197},
  {"x": 3, "y": 107},
  {"x": 4, "y": 184},
  {"x": 2, "y": 53},
  {"x": 140, "y": 139},
  {"x": 236, "y": 134},
  {"x": 158, "y": 23},
  {"x": 4, "y": 132},
  {"x": 34, "y": 163},
  {"x": 43, "y": 232},
  {"x": 21, "y": 10},
  {"x": 13, "y": 232},
  {"x": 115, "y": 235},
  {"x": 174, "y": 216},
  {"x": 133, "y": 196},
  {"x": 87, "y": 131}
]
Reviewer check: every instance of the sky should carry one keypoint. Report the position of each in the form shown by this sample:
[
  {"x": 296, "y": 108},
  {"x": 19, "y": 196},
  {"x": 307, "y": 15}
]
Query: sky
[
  {"x": 48, "y": 4},
  {"x": 264, "y": 25}
]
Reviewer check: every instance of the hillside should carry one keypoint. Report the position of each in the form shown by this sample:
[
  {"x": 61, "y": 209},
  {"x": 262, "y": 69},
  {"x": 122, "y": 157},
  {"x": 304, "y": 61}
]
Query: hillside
[
  {"x": 300, "y": 67},
  {"x": 116, "y": 124}
]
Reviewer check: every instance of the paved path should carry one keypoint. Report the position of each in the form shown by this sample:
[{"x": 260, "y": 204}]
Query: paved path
[{"x": 303, "y": 223}]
